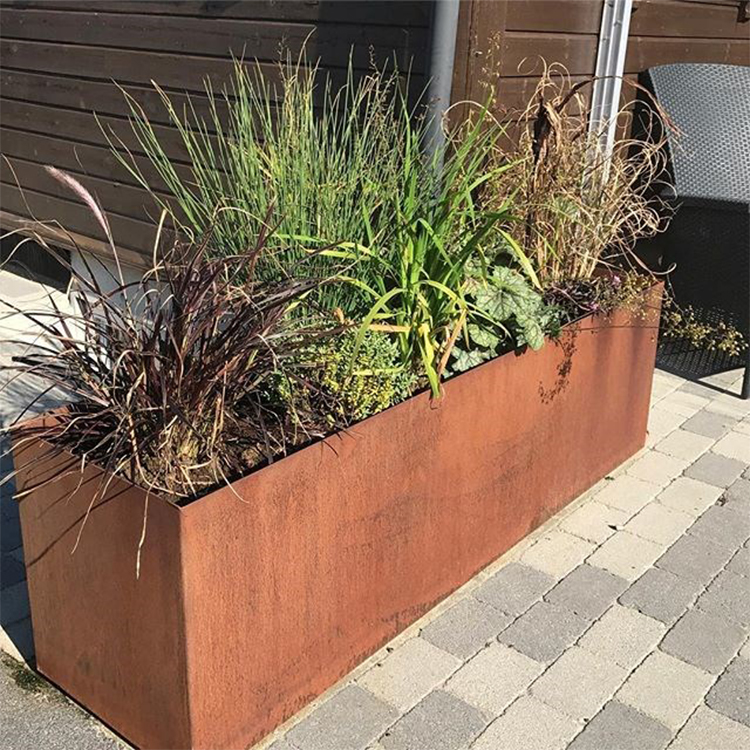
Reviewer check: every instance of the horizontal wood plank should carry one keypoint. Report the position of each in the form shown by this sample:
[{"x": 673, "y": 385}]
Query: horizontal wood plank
[
  {"x": 137, "y": 236},
  {"x": 677, "y": 18},
  {"x": 524, "y": 53},
  {"x": 568, "y": 16},
  {"x": 125, "y": 199},
  {"x": 410, "y": 12},
  {"x": 81, "y": 158},
  {"x": 82, "y": 127},
  {"x": 646, "y": 52},
  {"x": 332, "y": 44},
  {"x": 123, "y": 66},
  {"x": 102, "y": 97},
  {"x": 516, "y": 94}
]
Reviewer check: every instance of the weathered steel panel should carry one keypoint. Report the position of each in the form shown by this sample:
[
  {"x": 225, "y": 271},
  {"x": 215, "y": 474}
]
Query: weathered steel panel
[{"x": 253, "y": 601}]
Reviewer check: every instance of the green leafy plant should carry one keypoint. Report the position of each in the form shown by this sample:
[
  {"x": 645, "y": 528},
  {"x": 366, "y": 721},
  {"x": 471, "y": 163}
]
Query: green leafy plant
[
  {"x": 328, "y": 158},
  {"x": 507, "y": 312},
  {"x": 438, "y": 234}
]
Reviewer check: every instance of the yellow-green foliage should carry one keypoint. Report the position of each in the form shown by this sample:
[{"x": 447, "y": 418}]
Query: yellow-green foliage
[
  {"x": 690, "y": 325},
  {"x": 373, "y": 381},
  {"x": 354, "y": 386}
]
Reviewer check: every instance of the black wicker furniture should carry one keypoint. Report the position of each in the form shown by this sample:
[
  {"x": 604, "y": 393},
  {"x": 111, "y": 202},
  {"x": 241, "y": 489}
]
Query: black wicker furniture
[{"x": 708, "y": 239}]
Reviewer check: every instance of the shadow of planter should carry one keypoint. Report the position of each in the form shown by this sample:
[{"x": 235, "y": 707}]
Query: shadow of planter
[{"x": 252, "y": 601}]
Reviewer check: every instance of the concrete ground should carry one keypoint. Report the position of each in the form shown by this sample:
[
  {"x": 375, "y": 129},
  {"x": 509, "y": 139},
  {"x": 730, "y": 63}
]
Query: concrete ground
[{"x": 621, "y": 624}]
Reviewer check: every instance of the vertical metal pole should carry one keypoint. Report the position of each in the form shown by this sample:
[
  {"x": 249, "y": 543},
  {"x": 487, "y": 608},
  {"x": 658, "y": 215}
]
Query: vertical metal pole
[
  {"x": 442, "y": 55},
  {"x": 610, "y": 66}
]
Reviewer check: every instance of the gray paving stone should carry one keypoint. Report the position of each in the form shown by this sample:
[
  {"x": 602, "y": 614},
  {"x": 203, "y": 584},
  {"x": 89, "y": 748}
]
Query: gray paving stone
[
  {"x": 699, "y": 389},
  {"x": 731, "y": 693},
  {"x": 737, "y": 496},
  {"x": 661, "y": 595},
  {"x": 579, "y": 683},
  {"x": 528, "y": 724},
  {"x": 627, "y": 493},
  {"x": 514, "y": 588},
  {"x": 710, "y": 424},
  {"x": 594, "y": 521},
  {"x": 440, "y": 722},
  {"x": 708, "y": 730},
  {"x": 587, "y": 591},
  {"x": 723, "y": 525},
  {"x": 494, "y": 678},
  {"x": 466, "y": 627},
  {"x": 684, "y": 404},
  {"x": 281, "y": 744},
  {"x": 715, "y": 469},
  {"x": 666, "y": 689},
  {"x": 685, "y": 445},
  {"x": 704, "y": 640},
  {"x": 695, "y": 559},
  {"x": 735, "y": 445},
  {"x": 661, "y": 423},
  {"x": 690, "y": 496},
  {"x": 557, "y": 553},
  {"x": 626, "y": 555},
  {"x": 658, "y": 468},
  {"x": 740, "y": 563},
  {"x": 620, "y": 727},
  {"x": 659, "y": 523},
  {"x": 409, "y": 673},
  {"x": 545, "y": 631},
  {"x": 725, "y": 380},
  {"x": 350, "y": 720},
  {"x": 728, "y": 596}
]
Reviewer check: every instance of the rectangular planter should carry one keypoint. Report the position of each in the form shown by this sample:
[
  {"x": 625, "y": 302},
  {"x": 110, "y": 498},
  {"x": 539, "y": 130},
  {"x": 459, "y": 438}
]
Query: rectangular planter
[{"x": 246, "y": 609}]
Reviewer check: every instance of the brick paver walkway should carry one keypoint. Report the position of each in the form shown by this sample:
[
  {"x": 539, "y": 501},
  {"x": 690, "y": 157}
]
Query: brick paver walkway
[{"x": 622, "y": 624}]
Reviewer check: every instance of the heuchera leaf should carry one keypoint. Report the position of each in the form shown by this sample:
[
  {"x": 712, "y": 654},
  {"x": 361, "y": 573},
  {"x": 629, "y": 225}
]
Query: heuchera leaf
[
  {"x": 507, "y": 294},
  {"x": 482, "y": 337},
  {"x": 464, "y": 360},
  {"x": 530, "y": 331}
]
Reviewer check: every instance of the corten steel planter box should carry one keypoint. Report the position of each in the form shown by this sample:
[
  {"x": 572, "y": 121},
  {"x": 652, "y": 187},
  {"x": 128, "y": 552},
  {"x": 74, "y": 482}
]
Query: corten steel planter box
[{"x": 245, "y": 611}]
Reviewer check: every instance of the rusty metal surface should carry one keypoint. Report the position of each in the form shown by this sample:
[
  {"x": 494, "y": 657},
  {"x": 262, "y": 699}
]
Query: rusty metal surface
[
  {"x": 250, "y": 608},
  {"x": 115, "y": 643}
]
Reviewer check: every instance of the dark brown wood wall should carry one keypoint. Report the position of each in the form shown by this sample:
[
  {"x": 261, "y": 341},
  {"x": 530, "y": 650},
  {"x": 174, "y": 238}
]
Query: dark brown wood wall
[
  {"x": 58, "y": 61},
  {"x": 514, "y": 36},
  {"x": 513, "y": 39}
]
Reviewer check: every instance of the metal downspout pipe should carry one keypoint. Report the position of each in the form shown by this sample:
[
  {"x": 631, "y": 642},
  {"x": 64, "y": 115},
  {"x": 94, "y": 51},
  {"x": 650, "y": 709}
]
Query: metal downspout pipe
[
  {"x": 610, "y": 65},
  {"x": 444, "y": 28}
]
